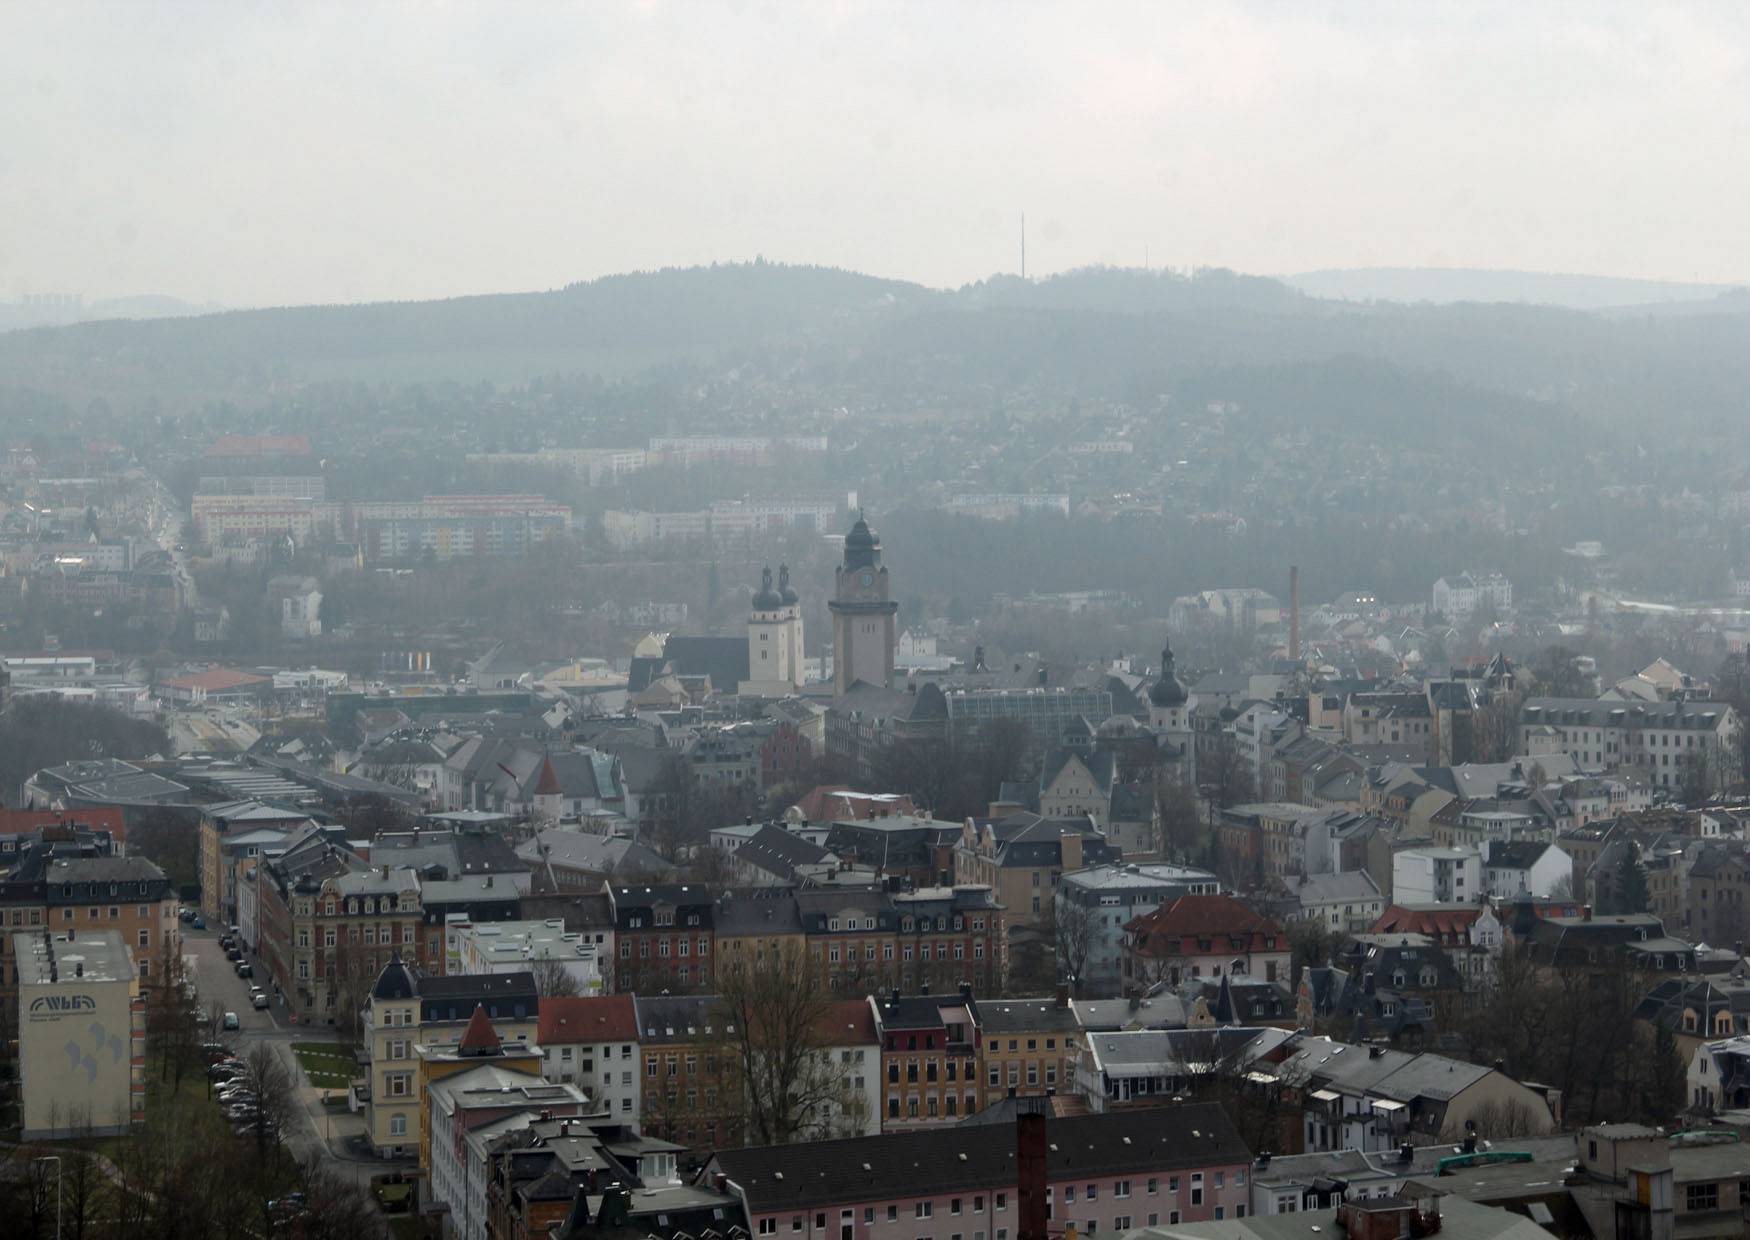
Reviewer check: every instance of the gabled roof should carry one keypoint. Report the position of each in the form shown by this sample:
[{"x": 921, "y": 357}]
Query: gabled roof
[
  {"x": 921, "y": 1164},
  {"x": 591, "y": 1018}
]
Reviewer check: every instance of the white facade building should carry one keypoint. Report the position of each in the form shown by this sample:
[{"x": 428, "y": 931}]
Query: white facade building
[
  {"x": 1437, "y": 876},
  {"x": 524, "y": 947},
  {"x": 1457, "y": 598}
]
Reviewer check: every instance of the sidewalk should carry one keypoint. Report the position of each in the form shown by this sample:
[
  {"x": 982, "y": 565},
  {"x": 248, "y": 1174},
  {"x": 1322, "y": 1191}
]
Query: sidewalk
[{"x": 333, "y": 1129}]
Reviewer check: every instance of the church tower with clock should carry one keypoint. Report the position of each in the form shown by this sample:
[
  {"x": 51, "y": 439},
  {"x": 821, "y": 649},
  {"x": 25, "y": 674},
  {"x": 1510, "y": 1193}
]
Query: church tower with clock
[{"x": 863, "y": 637}]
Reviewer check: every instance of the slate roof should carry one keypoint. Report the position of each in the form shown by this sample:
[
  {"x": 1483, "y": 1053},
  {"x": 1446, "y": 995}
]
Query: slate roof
[
  {"x": 921, "y": 1164},
  {"x": 1615, "y": 713},
  {"x": 723, "y": 659},
  {"x": 1026, "y": 1016},
  {"x": 595, "y": 854},
  {"x": 761, "y": 911},
  {"x": 455, "y": 998},
  {"x": 1515, "y": 854},
  {"x": 780, "y": 853},
  {"x": 394, "y": 982},
  {"x": 676, "y": 1018}
]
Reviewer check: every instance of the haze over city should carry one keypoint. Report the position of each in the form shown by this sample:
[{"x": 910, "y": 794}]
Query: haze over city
[
  {"x": 973, "y": 621},
  {"x": 266, "y": 155}
]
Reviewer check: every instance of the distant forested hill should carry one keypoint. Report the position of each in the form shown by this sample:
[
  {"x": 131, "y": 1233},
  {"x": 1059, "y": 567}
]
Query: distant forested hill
[
  {"x": 1100, "y": 331},
  {"x": 1448, "y": 284}
]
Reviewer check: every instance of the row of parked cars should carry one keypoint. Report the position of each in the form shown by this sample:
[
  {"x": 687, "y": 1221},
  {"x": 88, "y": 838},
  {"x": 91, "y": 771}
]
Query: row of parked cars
[
  {"x": 234, "y": 1087},
  {"x": 232, "y": 943}
]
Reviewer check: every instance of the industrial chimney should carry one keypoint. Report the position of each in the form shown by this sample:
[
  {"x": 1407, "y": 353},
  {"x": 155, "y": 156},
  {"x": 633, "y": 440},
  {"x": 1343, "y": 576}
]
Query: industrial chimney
[
  {"x": 1294, "y": 613},
  {"x": 1030, "y": 1163}
]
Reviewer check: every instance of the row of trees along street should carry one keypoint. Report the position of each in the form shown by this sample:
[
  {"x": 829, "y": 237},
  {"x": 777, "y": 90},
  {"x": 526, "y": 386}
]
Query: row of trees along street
[{"x": 187, "y": 1173}]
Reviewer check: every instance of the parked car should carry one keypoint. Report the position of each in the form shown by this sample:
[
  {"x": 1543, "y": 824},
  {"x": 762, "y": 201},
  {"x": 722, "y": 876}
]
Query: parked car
[
  {"x": 185, "y": 914},
  {"x": 245, "y": 969},
  {"x": 227, "y": 942},
  {"x": 215, "y": 1051},
  {"x": 231, "y": 1021},
  {"x": 233, "y": 954},
  {"x": 258, "y": 1000},
  {"x": 199, "y": 922}
]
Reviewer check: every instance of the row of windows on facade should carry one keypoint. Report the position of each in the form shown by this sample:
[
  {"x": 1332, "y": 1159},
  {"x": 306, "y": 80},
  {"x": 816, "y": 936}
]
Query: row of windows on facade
[
  {"x": 371, "y": 935},
  {"x": 1000, "y": 1203},
  {"x": 406, "y": 902},
  {"x": 35, "y": 915},
  {"x": 995, "y": 1073}
]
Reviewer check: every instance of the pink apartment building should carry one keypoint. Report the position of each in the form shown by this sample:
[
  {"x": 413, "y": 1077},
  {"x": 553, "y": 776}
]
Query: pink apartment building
[{"x": 1104, "y": 1173}]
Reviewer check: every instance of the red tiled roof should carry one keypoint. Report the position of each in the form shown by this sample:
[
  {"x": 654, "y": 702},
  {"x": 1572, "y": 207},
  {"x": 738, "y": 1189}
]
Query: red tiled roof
[
  {"x": 1436, "y": 923},
  {"x": 480, "y": 1035},
  {"x": 848, "y": 1022},
  {"x": 95, "y": 817},
  {"x": 1200, "y": 917},
  {"x": 827, "y": 803},
  {"x": 215, "y": 679},
  {"x": 591, "y": 1018}
]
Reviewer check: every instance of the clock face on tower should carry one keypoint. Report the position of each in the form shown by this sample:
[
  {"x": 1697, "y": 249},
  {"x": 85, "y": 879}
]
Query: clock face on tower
[{"x": 868, "y": 579}]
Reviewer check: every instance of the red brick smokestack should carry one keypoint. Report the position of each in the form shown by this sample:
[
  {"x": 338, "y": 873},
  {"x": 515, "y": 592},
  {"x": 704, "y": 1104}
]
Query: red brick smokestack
[
  {"x": 1030, "y": 1163},
  {"x": 1293, "y": 613}
]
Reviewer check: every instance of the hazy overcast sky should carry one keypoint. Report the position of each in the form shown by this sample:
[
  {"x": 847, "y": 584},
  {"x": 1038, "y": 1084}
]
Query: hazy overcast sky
[{"x": 265, "y": 153}]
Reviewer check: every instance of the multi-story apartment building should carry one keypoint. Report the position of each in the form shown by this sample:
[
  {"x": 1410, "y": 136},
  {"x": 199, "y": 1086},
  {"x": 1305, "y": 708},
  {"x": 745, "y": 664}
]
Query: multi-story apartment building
[
  {"x": 1202, "y": 937},
  {"x": 222, "y": 831},
  {"x": 592, "y": 1042},
  {"x": 1021, "y": 858},
  {"x": 937, "y": 937},
  {"x": 1665, "y": 741},
  {"x": 1437, "y": 876},
  {"x": 1029, "y": 1046},
  {"x": 288, "y": 891},
  {"x": 958, "y": 934},
  {"x": 929, "y": 1058},
  {"x": 409, "y": 1016},
  {"x": 128, "y": 895},
  {"x": 82, "y": 1050},
  {"x": 217, "y": 517},
  {"x": 1109, "y": 897},
  {"x": 663, "y": 935},
  {"x": 691, "y": 1091},
  {"x": 1104, "y": 1174},
  {"x": 451, "y": 526}
]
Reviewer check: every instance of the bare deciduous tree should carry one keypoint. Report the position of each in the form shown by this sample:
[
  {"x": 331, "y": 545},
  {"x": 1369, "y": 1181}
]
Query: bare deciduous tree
[
  {"x": 1180, "y": 827},
  {"x": 775, "y": 1012},
  {"x": 554, "y": 981},
  {"x": 1072, "y": 932}
]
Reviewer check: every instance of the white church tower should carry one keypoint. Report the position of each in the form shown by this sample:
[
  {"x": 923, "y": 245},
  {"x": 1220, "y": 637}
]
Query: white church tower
[{"x": 774, "y": 639}]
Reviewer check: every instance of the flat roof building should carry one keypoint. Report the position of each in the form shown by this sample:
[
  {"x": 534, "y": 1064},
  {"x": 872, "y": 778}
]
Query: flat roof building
[{"x": 81, "y": 1034}]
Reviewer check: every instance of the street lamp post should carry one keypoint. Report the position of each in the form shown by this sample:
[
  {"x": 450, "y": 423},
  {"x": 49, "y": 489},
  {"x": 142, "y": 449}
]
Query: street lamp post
[{"x": 56, "y": 1159}]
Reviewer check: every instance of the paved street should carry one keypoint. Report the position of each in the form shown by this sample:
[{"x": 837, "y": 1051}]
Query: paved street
[{"x": 314, "y": 1131}]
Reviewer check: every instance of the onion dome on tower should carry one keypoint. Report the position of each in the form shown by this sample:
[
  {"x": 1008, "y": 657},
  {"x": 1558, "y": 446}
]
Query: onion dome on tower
[
  {"x": 862, "y": 546},
  {"x": 786, "y": 591},
  {"x": 767, "y": 599},
  {"x": 1167, "y": 691}
]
